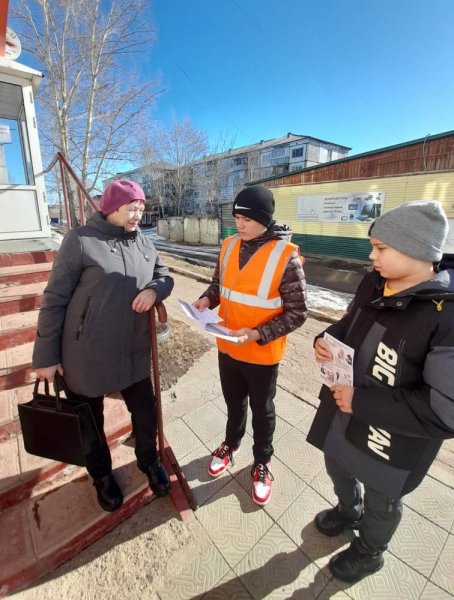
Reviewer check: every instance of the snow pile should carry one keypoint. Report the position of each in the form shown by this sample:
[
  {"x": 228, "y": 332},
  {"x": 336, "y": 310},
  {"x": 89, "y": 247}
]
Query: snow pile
[{"x": 318, "y": 297}]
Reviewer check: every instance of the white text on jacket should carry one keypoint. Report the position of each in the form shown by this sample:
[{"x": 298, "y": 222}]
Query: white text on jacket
[
  {"x": 385, "y": 364},
  {"x": 378, "y": 440}
]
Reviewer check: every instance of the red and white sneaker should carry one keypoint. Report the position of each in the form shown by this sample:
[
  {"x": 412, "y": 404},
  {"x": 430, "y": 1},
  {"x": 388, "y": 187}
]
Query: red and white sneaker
[
  {"x": 262, "y": 479},
  {"x": 222, "y": 457}
]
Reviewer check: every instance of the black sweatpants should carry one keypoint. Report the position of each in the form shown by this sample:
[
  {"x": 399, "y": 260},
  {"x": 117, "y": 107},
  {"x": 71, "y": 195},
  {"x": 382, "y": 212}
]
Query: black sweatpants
[
  {"x": 141, "y": 403},
  {"x": 382, "y": 514},
  {"x": 241, "y": 382}
]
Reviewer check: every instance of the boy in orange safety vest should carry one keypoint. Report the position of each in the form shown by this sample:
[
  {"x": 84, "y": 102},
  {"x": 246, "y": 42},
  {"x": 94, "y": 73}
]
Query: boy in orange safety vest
[{"x": 260, "y": 287}]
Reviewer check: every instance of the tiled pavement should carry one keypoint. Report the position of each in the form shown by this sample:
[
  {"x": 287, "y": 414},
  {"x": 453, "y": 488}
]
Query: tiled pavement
[{"x": 275, "y": 551}]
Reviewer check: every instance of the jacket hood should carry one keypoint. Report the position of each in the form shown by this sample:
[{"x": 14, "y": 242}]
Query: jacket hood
[
  {"x": 280, "y": 231},
  {"x": 442, "y": 283},
  {"x": 98, "y": 222},
  {"x": 276, "y": 231},
  {"x": 440, "y": 286}
]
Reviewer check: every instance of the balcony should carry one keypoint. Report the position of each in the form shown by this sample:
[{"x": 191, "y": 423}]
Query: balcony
[{"x": 280, "y": 160}]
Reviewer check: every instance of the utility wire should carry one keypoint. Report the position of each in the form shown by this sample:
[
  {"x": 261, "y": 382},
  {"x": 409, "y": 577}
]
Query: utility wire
[
  {"x": 204, "y": 94},
  {"x": 354, "y": 86}
]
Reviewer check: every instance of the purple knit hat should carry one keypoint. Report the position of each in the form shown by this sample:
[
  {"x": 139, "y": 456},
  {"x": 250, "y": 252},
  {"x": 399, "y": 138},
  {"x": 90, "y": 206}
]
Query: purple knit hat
[{"x": 118, "y": 193}]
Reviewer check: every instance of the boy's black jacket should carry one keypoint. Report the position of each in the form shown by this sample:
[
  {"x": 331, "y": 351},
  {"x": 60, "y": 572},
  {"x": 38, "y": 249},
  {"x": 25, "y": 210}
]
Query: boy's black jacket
[{"x": 403, "y": 405}]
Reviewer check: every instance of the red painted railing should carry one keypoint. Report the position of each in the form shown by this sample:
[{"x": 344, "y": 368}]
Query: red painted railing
[
  {"x": 82, "y": 193},
  {"x": 3, "y": 21}
]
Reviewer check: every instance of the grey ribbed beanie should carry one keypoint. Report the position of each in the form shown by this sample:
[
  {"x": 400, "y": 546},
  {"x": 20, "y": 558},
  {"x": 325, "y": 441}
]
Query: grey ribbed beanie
[{"x": 417, "y": 229}]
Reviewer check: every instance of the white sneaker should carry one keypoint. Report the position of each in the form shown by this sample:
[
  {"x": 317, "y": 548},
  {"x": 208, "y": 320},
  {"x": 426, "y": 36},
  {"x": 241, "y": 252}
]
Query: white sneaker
[
  {"x": 262, "y": 479},
  {"x": 222, "y": 457}
]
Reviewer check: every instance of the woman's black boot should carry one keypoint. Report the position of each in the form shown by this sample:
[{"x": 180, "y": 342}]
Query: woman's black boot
[
  {"x": 157, "y": 478},
  {"x": 110, "y": 496}
]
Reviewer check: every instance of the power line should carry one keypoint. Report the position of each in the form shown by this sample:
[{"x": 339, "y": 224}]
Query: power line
[
  {"x": 354, "y": 86},
  {"x": 204, "y": 94}
]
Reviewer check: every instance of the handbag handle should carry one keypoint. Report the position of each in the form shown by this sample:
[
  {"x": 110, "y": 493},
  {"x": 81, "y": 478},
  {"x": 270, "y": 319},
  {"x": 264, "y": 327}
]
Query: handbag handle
[
  {"x": 47, "y": 392},
  {"x": 60, "y": 385},
  {"x": 46, "y": 387}
]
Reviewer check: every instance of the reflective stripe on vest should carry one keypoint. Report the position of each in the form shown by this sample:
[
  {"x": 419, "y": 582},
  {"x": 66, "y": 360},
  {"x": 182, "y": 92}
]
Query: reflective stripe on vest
[
  {"x": 227, "y": 252},
  {"x": 260, "y": 300},
  {"x": 249, "y": 300}
]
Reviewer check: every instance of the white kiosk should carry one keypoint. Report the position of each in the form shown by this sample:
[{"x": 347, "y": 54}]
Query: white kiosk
[{"x": 23, "y": 205}]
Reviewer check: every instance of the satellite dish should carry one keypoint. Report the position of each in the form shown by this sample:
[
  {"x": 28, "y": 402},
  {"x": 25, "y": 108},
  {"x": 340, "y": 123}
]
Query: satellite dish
[{"x": 12, "y": 45}]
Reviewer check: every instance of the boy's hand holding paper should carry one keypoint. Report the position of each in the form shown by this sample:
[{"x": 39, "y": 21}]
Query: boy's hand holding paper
[
  {"x": 336, "y": 360},
  {"x": 208, "y": 320}
]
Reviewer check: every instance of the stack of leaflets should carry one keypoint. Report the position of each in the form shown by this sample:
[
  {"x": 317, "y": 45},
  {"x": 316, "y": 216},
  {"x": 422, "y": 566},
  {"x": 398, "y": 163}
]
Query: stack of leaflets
[{"x": 208, "y": 320}]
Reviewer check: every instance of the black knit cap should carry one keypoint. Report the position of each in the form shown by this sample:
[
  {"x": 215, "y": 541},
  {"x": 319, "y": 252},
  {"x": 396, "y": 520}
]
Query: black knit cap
[{"x": 255, "y": 202}]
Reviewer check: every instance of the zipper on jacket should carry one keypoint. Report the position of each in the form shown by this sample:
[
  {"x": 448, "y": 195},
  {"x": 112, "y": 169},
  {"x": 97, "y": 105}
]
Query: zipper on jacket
[
  {"x": 122, "y": 257},
  {"x": 80, "y": 328}
]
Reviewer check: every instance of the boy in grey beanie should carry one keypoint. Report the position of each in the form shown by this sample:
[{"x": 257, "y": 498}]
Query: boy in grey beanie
[
  {"x": 386, "y": 430},
  {"x": 417, "y": 229}
]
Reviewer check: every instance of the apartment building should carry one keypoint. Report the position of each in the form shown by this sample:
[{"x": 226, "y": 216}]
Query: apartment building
[{"x": 217, "y": 178}]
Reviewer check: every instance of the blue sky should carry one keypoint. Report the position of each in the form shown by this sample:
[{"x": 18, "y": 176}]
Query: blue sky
[{"x": 361, "y": 73}]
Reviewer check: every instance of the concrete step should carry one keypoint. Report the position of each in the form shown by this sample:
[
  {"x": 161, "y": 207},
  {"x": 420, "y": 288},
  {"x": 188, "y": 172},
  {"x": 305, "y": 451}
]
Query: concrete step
[
  {"x": 56, "y": 523},
  {"x": 14, "y": 259},
  {"x": 21, "y": 290},
  {"x": 61, "y": 517},
  {"x": 19, "y": 303},
  {"x": 24, "y": 274},
  {"x": 15, "y": 337},
  {"x": 15, "y": 377},
  {"x": 18, "y": 320}
]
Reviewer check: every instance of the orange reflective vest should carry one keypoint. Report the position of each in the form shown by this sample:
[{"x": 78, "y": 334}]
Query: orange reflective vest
[{"x": 250, "y": 296}]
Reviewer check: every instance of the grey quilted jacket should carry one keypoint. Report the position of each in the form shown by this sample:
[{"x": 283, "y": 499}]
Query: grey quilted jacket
[{"x": 86, "y": 322}]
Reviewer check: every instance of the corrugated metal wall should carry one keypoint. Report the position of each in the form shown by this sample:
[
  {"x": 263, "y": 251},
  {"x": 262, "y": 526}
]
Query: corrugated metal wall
[
  {"x": 227, "y": 220},
  {"x": 433, "y": 154},
  {"x": 350, "y": 240}
]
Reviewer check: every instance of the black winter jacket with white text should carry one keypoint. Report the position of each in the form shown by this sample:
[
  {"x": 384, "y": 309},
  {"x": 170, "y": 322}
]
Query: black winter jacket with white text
[{"x": 403, "y": 405}]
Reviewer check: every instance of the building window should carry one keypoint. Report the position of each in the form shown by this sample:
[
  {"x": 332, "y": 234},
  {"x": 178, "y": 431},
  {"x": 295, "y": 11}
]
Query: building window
[
  {"x": 15, "y": 159},
  {"x": 211, "y": 166},
  {"x": 298, "y": 152},
  {"x": 276, "y": 152}
]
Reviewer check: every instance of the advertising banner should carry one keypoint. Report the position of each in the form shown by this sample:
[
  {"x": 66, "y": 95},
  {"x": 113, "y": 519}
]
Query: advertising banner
[
  {"x": 342, "y": 208},
  {"x": 448, "y": 248}
]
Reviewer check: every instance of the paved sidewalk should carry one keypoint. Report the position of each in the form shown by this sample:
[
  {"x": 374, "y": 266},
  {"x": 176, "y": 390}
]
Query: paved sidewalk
[
  {"x": 234, "y": 550},
  {"x": 275, "y": 551}
]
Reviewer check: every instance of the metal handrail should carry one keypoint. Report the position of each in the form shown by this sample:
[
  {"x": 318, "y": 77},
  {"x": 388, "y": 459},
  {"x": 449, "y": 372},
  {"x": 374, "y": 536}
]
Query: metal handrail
[
  {"x": 65, "y": 167},
  {"x": 165, "y": 452}
]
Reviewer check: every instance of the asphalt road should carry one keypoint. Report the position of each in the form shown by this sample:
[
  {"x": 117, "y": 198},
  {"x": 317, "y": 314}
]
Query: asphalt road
[{"x": 324, "y": 271}]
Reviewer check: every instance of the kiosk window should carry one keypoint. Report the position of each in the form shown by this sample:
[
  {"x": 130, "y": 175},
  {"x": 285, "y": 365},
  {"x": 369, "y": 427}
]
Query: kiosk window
[{"x": 15, "y": 160}]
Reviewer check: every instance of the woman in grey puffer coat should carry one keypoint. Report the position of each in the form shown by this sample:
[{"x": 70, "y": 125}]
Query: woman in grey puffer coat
[{"x": 93, "y": 327}]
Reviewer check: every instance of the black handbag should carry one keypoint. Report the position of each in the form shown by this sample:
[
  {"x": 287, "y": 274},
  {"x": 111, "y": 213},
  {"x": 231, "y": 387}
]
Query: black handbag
[{"x": 58, "y": 428}]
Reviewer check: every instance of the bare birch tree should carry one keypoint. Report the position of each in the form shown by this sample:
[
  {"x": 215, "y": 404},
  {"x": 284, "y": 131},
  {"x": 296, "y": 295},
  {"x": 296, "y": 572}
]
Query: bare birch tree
[
  {"x": 211, "y": 176},
  {"x": 92, "y": 101},
  {"x": 168, "y": 157}
]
